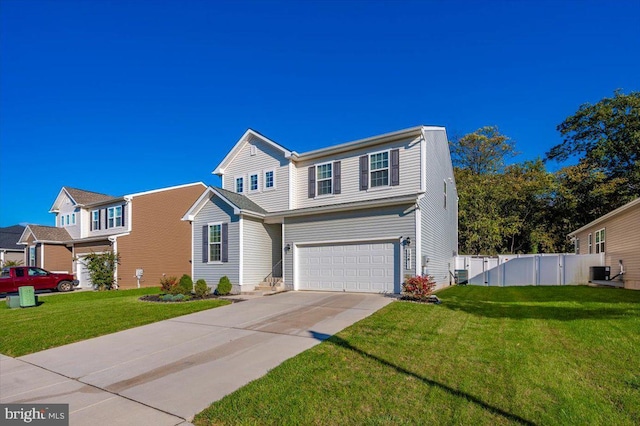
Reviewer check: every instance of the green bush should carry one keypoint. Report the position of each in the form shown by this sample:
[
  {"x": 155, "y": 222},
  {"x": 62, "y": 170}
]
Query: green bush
[
  {"x": 186, "y": 284},
  {"x": 202, "y": 289},
  {"x": 224, "y": 286},
  {"x": 167, "y": 298},
  {"x": 168, "y": 285}
]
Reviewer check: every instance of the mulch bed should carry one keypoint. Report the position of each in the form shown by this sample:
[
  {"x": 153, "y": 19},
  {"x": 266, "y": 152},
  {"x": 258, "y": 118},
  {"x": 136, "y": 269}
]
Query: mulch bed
[{"x": 158, "y": 298}]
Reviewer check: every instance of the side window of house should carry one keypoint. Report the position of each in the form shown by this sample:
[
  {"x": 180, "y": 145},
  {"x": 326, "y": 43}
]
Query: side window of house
[
  {"x": 380, "y": 169},
  {"x": 324, "y": 179},
  {"x": 114, "y": 217},
  {"x": 95, "y": 220},
  {"x": 268, "y": 179},
  {"x": 577, "y": 245},
  {"x": 239, "y": 185},
  {"x": 253, "y": 182},
  {"x": 215, "y": 242},
  {"x": 600, "y": 241},
  {"x": 590, "y": 243}
]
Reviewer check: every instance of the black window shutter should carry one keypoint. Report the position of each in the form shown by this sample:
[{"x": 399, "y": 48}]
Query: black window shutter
[
  {"x": 395, "y": 167},
  {"x": 224, "y": 255},
  {"x": 91, "y": 222},
  {"x": 312, "y": 181},
  {"x": 99, "y": 219},
  {"x": 123, "y": 207},
  {"x": 35, "y": 255},
  {"x": 364, "y": 173},
  {"x": 205, "y": 243},
  {"x": 337, "y": 178}
]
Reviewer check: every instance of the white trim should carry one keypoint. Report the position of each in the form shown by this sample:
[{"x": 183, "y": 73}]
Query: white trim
[
  {"x": 237, "y": 148},
  {"x": 606, "y": 216},
  {"x": 292, "y": 186},
  {"x": 170, "y": 188},
  {"x": 423, "y": 164},
  {"x": 209, "y": 261},
  {"x": 348, "y": 241},
  {"x": 193, "y": 242},
  {"x": 114, "y": 249},
  {"x": 388, "y": 168},
  {"x": 41, "y": 254},
  {"x": 283, "y": 254},
  {"x": 330, "y": 179},
  {"x": 240, "y": 251},
  {"x": 235, "y": 185},
  {"x": 257, "y": 175},
  {"x": 418, "y": 262},
  {"x": 264, "y": 180}
]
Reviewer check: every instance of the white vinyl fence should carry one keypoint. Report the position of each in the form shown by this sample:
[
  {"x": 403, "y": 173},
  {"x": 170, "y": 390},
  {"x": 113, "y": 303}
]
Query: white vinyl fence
[{"x": 529, "y": 269}]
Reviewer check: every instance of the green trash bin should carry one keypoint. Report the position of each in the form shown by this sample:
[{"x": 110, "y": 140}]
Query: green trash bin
[
  {"x": 13, "y": 301},
  {"x": 27, "y": 296}
]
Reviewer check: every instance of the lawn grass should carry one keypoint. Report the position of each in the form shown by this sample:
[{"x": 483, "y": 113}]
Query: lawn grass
[
  {"x": 485, "y": 356},
  {"x": 66, "y": 318}
]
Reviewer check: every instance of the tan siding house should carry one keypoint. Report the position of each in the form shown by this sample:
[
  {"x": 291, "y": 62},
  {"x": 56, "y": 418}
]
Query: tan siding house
[
  {"x": 617, "y": 235},
  {"x": 145, "y": 229}
]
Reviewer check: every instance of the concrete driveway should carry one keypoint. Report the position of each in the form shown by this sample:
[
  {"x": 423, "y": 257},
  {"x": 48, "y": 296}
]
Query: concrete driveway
[{"x": 165, "y": 373}]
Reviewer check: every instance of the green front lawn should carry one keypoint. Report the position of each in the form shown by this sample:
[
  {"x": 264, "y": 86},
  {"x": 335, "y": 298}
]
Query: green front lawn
[
  {"x": 486, "y": 356},
  {"x": 68, "y": 318}
]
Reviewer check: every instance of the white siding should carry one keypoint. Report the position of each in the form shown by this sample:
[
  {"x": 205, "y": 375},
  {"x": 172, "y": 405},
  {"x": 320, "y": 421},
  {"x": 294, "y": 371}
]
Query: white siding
[
  {"x": 67, "y": 208},
  {"x": 363, "y": 225},
  {"x": 261, "y": 250},
  {"x": 103, "y": 220},
  {"x": 266, "y": 158},
  {"x": 350, "y": 176},
  {"x": 216, "y": 211},
  {"x": 439, "y": 243}
]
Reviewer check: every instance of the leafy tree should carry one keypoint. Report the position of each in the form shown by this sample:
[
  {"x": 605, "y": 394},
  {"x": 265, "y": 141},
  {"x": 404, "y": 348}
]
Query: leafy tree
[
  {"x": 606, "y": 137},
  {"x": 483, "y": 151},
  {"x": 102, "y": 267}
]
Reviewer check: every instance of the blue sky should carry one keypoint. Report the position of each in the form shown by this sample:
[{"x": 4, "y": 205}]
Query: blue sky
[{"x": 124, "y": 96}]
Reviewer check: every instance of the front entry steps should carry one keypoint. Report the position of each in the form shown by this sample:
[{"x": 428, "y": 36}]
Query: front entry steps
[{"x": 268, "y": 287}]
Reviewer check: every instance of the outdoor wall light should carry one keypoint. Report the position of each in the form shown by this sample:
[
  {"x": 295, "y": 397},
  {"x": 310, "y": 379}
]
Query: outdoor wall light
[
  {"x": 287, "y": 247},
  {"x": 407, "y": 241}
]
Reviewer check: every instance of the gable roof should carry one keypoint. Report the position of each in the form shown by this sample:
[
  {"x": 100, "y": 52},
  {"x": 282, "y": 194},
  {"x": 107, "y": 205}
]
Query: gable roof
[
  {"x": 45, "y": 234},
  {"x": 247, "y": 137},
  {"x": 9, "y": 237},
  {"x": 609, "y": 215},
  {"x": 239, "y": 202},
  {"x": 79, "y": 197}
]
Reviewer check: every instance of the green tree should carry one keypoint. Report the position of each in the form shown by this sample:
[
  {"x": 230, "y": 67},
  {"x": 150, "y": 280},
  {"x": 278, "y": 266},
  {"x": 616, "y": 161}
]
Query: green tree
[
  {"x": 606, "y": 138},
  {"x": 483, "y": 151}
]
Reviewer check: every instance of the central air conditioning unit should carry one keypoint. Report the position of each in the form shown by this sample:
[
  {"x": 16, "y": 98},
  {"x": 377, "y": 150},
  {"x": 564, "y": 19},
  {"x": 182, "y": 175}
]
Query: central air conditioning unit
[{"x": 599, "y": 273}]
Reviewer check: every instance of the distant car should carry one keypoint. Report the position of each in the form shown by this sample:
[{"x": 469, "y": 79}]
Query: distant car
[{"x": 17, "y": 276}]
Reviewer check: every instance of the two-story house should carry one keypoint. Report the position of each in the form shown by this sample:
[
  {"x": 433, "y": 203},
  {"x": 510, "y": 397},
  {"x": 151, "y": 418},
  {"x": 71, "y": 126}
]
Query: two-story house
[
  {"x": 145, "y": 229},
  {"x": 358, "y": 216}
]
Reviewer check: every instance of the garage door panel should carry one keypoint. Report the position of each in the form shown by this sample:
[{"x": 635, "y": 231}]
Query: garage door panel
[{"x": 365, "y": 267}]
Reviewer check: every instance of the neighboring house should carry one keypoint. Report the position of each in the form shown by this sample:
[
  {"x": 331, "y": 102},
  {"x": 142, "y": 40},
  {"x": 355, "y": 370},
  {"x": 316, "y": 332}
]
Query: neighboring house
[
  {"x": 617, "y": 235},
  {"x": 143, "y": 228},
  {"x": 10, "y": 251},
  {"x": 359, "y": 216}
]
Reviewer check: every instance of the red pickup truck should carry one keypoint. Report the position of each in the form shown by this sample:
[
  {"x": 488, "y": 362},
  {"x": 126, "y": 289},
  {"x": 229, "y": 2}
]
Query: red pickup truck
[{"x": 17, "y": 276}]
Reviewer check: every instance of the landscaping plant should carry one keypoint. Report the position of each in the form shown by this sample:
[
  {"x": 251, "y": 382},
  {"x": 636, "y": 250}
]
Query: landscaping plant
[
  {"x": 168, "y": 285},
  {"x": 101, "y": 268},
  {"x": 418, "y": 288},
  {"x": 185, "y": 285},
  {"x": 202, "y": 290},
  {"x": 224, "y": 286}
]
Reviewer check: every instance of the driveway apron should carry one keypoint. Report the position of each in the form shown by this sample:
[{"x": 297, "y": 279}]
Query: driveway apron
[{"x": 165, "y": 373}]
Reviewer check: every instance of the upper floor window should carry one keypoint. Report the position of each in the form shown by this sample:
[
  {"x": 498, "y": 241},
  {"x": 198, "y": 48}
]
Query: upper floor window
[
  {"x": 95, "y": 220},
  {"x": 268, "y": 179},
  {"x": 324, "y": 179},
  {"x": 445, "y": 193},
  {"x": 600, "y": 241},
  {"x": 576, "y": 244},
  {"x": 379, "y": 169},
  {"x": 239, "y": 185},
  {"x": 590, "y": 243},
  {"x": 69, "y": 219},
  {"x": 73, "y": 218},
  {"x": 114, "y": 217},
  {"x": 253, "y": 182}
]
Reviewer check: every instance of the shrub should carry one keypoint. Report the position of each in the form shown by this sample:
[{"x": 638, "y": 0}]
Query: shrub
[
  {"x": 168, "y": 284},
  {"x": 202, "y": 289},
  {"x": 224, "y": 286},
  {"x": 178, "y": 297},
  {"x": 167, "y": 298},
  {"x": 102, "y": 267},
  {"x": 186, "y": 284},
  {"x": 418, "y": 288}
]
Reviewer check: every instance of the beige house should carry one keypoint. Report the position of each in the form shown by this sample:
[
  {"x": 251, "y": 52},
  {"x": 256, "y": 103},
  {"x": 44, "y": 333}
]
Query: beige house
[
  {"x": 10, "y": 250},
  {"x": 145, "y": 229},
  {"x": 617, "y": 235}
]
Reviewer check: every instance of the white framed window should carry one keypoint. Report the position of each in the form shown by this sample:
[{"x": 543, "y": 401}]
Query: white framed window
[
  {"x": 253, "y": 182},
  {"x": 269, "y": 179},
  {"x": 215, "y": 242},
  {"x": 379, "y": 169},
  {"x": 95, "y": 219},
  {"x": 576, "y": 244},
  {"x": 239, "y": 185},
  {"x": 73, "y": 218},
  {"x": 114, "y": 217},
  {"x": 407, "y": 258},
  {"x": 600, "y": 241},
  {"x": 324, "y": 178},
  {"x": 590, "y": 243},
  {"x": 32, "y": 256}
]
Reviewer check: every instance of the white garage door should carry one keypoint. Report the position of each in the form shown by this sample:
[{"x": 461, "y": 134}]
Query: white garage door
[{"x": 363, "y": 267}]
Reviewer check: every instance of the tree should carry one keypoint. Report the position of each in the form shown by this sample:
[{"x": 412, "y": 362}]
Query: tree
[
  {"x": 483, "y": 151},
  {"x": 606, "y": 136}
]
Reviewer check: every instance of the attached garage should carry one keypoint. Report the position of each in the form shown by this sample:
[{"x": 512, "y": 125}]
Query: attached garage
[{"x": 368, "y": 267}]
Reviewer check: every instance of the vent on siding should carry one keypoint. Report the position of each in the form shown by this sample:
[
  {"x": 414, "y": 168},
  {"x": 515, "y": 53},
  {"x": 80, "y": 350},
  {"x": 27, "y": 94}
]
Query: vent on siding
[{"x": 253, "y": 150}]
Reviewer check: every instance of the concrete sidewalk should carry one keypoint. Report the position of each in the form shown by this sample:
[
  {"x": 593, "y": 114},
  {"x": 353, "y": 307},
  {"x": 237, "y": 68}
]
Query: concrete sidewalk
[{"x": 165, "y": 373}]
